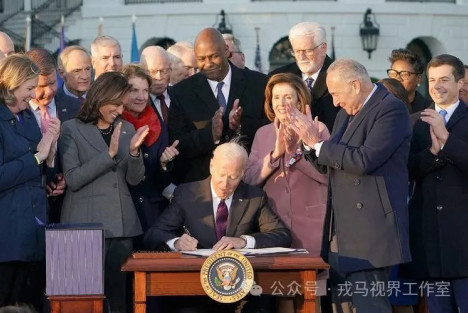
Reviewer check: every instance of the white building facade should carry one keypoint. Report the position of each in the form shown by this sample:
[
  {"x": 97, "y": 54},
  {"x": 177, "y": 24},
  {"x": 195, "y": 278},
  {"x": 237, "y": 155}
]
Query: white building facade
[{"x": 437, "y": 27}]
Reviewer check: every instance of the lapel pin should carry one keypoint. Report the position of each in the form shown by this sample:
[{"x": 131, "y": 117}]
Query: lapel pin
[
  {"x": 64, "y": 110},
  {"x": 124, "y": 132}
]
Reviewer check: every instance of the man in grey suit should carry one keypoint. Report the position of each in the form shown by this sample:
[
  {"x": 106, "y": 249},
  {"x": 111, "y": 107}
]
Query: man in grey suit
[
  {"x": 202, "y": 208},
  {"x": 366, "y": 226}
]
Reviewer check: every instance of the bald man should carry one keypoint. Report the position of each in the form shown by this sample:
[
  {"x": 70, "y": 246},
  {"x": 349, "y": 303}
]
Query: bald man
[
  {"x": 6, "y": 44},
  {"x": 214, "y": 105}
]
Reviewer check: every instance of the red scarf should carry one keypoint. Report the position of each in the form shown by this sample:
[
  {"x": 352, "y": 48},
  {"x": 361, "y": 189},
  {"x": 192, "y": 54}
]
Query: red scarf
[{"x": 147, "y": 117}]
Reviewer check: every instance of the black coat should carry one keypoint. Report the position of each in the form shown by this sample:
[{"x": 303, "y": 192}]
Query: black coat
[
  {"x": 322, "y": 102},
  {"x": 438, "y": 209},
  {"x": 193, "y": 105}
]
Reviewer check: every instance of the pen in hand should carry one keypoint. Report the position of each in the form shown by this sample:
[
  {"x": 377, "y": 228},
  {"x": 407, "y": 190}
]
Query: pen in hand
[{"x": 186, "y": 231}]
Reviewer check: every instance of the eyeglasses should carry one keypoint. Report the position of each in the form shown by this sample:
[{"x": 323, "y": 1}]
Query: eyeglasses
[
  {"x": 403, "y": 74},
  {"x": 308, "y": 52},
  {"x": 163, "y": 71}
]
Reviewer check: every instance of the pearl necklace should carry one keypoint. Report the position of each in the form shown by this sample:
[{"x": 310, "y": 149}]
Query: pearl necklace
[{"x": 106, "y": 131}]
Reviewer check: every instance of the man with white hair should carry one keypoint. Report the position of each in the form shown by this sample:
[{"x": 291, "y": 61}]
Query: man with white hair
[
  {"x": 366, "y": 225},
  {"x": 183, "y": 62},
  {"x": 237, "y": 56},
  {"x": 6, "y": 44},
  {"x": 309, "y": 48},
  {"x": 106, "y": 55},
  {"x": 156, "y": 61}
]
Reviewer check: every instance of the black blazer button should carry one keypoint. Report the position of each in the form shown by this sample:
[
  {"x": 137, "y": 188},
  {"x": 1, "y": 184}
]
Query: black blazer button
[
  {"x": 439, "y": 208},
  {"x": 359, "y": 205},
  {"x": 145, "y": 155},
  {"x": 356, "y": 181},
  {"x": 141, "y": 199}
]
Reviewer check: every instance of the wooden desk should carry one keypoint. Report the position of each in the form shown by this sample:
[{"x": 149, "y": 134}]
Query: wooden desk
[{"x": 181, "y": 276}]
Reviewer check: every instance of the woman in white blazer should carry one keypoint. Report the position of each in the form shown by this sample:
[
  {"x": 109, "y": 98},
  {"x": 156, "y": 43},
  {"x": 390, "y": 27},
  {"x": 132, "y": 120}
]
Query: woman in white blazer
[{"x": 100, "y": 154}]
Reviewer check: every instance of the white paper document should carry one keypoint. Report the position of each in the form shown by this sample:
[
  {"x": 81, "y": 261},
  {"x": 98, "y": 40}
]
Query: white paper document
[{"x": 249, "y": 252}]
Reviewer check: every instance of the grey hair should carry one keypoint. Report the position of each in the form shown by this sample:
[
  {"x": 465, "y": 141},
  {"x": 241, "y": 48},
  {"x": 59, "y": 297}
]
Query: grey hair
[
  {"x": 349, "y": 70},
  {"x": 103, "y": 41},
  {"x": 309, "y": 29},
  {"x": 154, "y": 52},
  {"x": 232, "y": 150},
  {"x": 235, "y": 41}
]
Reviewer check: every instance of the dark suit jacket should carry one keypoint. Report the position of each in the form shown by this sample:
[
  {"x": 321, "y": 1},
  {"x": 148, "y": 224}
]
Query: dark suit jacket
[
  {"x": 192, "y": 207},
  {"x": 322, "y": 102},
  {"x": 67, "y": 108},
  {"x": 438, "y": 212},
  {"x": 193, "y": 105},
  {"x": 419, "y": 103},
  {"x": 368, "y": 184}
]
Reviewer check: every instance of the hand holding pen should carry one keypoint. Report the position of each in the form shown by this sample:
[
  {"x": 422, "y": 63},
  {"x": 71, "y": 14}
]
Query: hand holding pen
[{"x": 186, "y": 242}]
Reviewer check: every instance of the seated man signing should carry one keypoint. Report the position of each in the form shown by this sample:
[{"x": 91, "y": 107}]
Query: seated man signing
[{"x": 220, "y": 212}]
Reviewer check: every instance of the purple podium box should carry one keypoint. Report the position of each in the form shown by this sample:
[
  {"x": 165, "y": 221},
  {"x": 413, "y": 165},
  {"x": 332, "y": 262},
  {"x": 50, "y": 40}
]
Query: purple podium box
[{"x": 74, "y": 259}]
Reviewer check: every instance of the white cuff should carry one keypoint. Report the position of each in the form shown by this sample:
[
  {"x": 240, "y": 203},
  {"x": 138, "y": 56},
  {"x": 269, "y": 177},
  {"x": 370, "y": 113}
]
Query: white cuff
[
  {"x": 250, "y": 241},
  {"x": 170, "y": 243},
  {"x": 317, "y": 148}
]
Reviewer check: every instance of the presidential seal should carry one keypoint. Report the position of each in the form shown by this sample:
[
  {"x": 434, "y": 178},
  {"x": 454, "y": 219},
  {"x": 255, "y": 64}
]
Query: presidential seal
[{"x": 227, "y": 276}]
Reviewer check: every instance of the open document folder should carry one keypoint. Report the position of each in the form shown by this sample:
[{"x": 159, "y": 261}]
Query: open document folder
[{"x": 249, "y": 252}]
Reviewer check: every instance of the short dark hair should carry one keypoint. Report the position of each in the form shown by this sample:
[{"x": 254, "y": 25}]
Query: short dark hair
[
  {"x": 134, "y": 70},
  {"x": 408, "y": 56},
  {"x": 458, "y": 68},
  {"x": 108, "y": 88},
  {"x": 43, "y": 59}
]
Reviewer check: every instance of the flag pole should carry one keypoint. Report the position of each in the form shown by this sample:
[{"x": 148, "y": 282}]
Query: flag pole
[
  {"x": 258, "y": 59},
  {"x": 100, "y": 25}
]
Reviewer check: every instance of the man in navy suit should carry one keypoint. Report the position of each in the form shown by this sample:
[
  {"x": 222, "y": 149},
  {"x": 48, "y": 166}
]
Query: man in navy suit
[
  {"x": 213, "y": 106},
  {"x": 366, "y": 226},
  {"x": 49, "y": 103},
  {"x": 439, "y": 165},
  {"x": 309, "y": 48}
]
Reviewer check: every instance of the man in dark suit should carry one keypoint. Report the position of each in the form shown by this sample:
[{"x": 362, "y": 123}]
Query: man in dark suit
[
  {"x": 74, "y": 66},
  {"x": 46, "y": 105},
  {"x": 439, "y": 165},
  {"x": 49, "y": 103},
  {"x": 309, "y": 48},
  {"x": 213, "y": 106},
  {"x": 203, "y": 207},
  {"x": 366, "y": 226}
]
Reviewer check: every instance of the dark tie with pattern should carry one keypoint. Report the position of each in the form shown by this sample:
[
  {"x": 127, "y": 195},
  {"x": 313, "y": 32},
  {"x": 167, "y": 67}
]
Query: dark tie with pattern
[
  {"x": 309, "y": 81},
  {"x": 220, "y": 96},
  {"x": 164, "y": 108},
  {"x": 443, "y": 113},
  {"x": 221, "y": 219}
]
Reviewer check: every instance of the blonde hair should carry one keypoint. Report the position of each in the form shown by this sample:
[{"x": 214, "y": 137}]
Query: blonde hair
[{"x": 15, "y": 70}]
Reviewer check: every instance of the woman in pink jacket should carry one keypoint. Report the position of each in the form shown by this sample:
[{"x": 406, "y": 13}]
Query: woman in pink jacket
[{"x": 297, "y": 192}]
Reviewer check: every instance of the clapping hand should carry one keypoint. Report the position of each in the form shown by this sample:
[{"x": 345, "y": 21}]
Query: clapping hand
[
  {"x": 169, "y": 154},
  {"x": 305, "y": 127},
  {"x": 235, "y": 116},
  {"x": 138, "y": 139},
  {"x": 217, "y": 124}
]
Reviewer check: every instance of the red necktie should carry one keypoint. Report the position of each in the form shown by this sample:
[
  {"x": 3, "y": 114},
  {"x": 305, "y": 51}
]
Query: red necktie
[
  {"x": 221, "y": 219},
  {"x": 164, "y": 108},
  {"x": 45, "y": 117}
]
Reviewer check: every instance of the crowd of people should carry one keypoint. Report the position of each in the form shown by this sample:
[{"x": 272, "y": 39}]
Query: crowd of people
[{"x": 190, "y": 149}]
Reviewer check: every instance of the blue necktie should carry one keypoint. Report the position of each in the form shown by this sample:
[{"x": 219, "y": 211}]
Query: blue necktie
[
  {"x": 220, "y": 96},
  {"x": 443, "y": 113},
  {"x": 309, "y": 81}
]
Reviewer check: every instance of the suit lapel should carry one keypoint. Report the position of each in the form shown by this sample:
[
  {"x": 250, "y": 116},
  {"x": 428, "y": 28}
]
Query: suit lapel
[
  {"x": 237, "y": 87},
  {"x": 237, "y": 210},
  {"x": 459, "y": 112},
  {"x": 204, "y": 92},
  {"x": 91, "y": 134},
  {"x": 320, "y": 86},
  {"x": 374, "y": 99}
]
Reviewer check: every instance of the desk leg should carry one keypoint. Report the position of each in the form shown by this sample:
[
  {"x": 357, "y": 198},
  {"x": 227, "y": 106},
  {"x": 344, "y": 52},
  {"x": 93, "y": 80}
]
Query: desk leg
[
  {"x": 140, "y": 292},
  {"x": 307, "y": 302}
]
